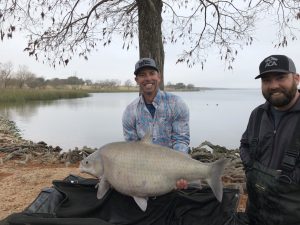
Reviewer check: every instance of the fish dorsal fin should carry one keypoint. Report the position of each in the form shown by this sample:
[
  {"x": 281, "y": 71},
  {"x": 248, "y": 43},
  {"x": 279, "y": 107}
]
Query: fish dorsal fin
[
  {"x": 147, "y": 139},
  {"x": 141, "y": 202}
]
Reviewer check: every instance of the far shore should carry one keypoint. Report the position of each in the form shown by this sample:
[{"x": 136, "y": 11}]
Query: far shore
[{"x": 15, "y": 95}]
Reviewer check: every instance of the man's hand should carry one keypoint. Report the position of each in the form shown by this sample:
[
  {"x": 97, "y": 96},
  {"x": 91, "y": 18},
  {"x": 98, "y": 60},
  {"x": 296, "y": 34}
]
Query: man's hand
[{"x": 181, "y": 184}]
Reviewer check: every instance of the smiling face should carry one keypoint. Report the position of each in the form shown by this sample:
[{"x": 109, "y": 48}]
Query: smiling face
[
  {"x": 148, "y": 79},
  {"x": 280, "y": 89}
]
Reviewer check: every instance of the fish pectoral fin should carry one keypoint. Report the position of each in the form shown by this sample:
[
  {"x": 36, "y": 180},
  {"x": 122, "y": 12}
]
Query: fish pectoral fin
[
  {"x": 141, "y": 202},
  {"x": 103, "y": 187}
]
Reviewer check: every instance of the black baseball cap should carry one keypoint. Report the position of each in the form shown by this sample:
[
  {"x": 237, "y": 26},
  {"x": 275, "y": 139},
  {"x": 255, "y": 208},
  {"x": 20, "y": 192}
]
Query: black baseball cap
[
  {"x": 276, "y": 64},
  {"x": 143, "y": 63}
]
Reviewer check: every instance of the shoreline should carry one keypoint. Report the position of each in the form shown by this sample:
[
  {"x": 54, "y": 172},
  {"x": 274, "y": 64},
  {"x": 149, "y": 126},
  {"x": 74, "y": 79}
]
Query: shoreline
[
  {"x": 14, "y": 147},
  {"x": 11, "y": 140}
]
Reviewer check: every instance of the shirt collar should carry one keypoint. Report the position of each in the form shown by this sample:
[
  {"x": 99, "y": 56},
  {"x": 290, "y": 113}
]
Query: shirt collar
[{"x": 156, "y": 99}]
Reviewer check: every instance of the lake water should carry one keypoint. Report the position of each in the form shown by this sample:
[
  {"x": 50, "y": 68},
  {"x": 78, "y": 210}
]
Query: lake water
[{"x": 218, "y": 116}]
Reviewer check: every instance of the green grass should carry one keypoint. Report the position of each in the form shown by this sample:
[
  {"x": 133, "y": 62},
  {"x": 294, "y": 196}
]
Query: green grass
[{"x": 25, "y": 95}]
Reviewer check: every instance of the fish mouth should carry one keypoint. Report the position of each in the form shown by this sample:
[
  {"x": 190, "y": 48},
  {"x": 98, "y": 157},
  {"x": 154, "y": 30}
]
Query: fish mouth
[{"x": 81, "y": 168}]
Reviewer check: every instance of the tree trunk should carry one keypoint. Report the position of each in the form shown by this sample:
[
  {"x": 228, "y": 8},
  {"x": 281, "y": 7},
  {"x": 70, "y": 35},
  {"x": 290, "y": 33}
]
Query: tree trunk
[{"x": 150, "y": 34}]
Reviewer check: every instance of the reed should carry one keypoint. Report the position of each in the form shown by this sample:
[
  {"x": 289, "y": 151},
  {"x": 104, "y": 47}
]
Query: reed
[{"x": 24, "y": 95}]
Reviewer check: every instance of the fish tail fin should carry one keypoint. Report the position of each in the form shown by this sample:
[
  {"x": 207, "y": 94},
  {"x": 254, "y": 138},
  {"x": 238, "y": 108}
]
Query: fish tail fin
[{"x": 214, "y": 180}]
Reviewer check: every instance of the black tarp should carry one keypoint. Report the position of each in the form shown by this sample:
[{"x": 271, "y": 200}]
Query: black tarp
[{"x": 73, "y": 201}]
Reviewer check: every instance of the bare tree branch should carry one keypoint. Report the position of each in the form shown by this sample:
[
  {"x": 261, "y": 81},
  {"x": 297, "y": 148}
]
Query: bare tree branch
[{"x": 57, "y": 29}]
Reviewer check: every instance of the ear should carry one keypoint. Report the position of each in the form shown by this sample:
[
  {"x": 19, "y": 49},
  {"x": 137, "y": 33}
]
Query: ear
[
  {"x": 159, "y": 76},
  {"x": 136, "y": 79},
  {"x": 297, "y": 79}
]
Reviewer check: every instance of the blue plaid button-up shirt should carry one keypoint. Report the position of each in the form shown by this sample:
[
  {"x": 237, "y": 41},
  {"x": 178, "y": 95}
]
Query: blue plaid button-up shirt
[{"x": 170, "y": 124}]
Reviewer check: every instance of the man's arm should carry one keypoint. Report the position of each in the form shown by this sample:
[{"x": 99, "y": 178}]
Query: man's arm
[
  {"x": 245, "y": 145},
  {"x": 180, "y": 127},
  {"x": 244, "y": 150},
  {"x": 128, "y": 123},
  {"x": 296, "y": 174}
]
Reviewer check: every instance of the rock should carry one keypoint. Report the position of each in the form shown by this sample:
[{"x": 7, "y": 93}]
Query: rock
[{"x": 234, "y": 174}]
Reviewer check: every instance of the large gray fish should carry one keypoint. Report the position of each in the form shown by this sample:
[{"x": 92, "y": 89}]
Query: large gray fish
[{"x": 142, "y": 169}]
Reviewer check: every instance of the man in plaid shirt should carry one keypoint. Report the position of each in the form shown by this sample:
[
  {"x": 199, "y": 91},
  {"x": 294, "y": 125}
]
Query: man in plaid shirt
[{"x": 166, "y": 114}]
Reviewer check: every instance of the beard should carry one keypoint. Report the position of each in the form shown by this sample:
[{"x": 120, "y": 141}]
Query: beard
[{"x": 287, "y": 95}]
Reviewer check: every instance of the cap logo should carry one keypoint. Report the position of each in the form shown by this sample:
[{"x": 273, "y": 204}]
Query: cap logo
[
  {"x": 271, "y": 61},
  {"x": 145, "y": 62}
]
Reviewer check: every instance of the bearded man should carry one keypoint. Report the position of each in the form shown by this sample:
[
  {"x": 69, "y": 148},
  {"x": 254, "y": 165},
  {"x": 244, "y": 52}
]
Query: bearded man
[{"x": 270, "y": 146}]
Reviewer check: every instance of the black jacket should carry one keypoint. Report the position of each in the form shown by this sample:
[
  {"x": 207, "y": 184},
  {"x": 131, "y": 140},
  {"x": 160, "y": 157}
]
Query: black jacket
[{"x": 272, "y": 142}]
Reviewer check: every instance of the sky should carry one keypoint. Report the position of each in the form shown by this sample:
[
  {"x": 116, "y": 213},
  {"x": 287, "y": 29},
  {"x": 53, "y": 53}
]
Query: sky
[{"x": 115, "y": 63}]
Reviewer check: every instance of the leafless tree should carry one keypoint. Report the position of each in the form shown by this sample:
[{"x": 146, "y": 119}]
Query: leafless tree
[
  {"x": 128, "y": 83},
  {"x": 36, "y": 82},
  {"x": 88, "y": 82},
  {"x": 108, "y": 83},
  {"x": 58, "y": 29},
  {"x": 23, "y": 74},
  {"x": 6, "y": 72}
]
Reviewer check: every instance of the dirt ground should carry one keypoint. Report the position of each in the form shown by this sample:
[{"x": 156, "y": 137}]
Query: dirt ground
[{"x": 21, "y": 184}]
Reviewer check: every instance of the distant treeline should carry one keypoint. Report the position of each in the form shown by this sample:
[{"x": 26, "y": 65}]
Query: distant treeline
[{"x": 23, "y": 78}]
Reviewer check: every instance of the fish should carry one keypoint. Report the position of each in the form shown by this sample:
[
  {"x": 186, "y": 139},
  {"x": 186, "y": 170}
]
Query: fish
[{"x": 141, "y": 169}]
